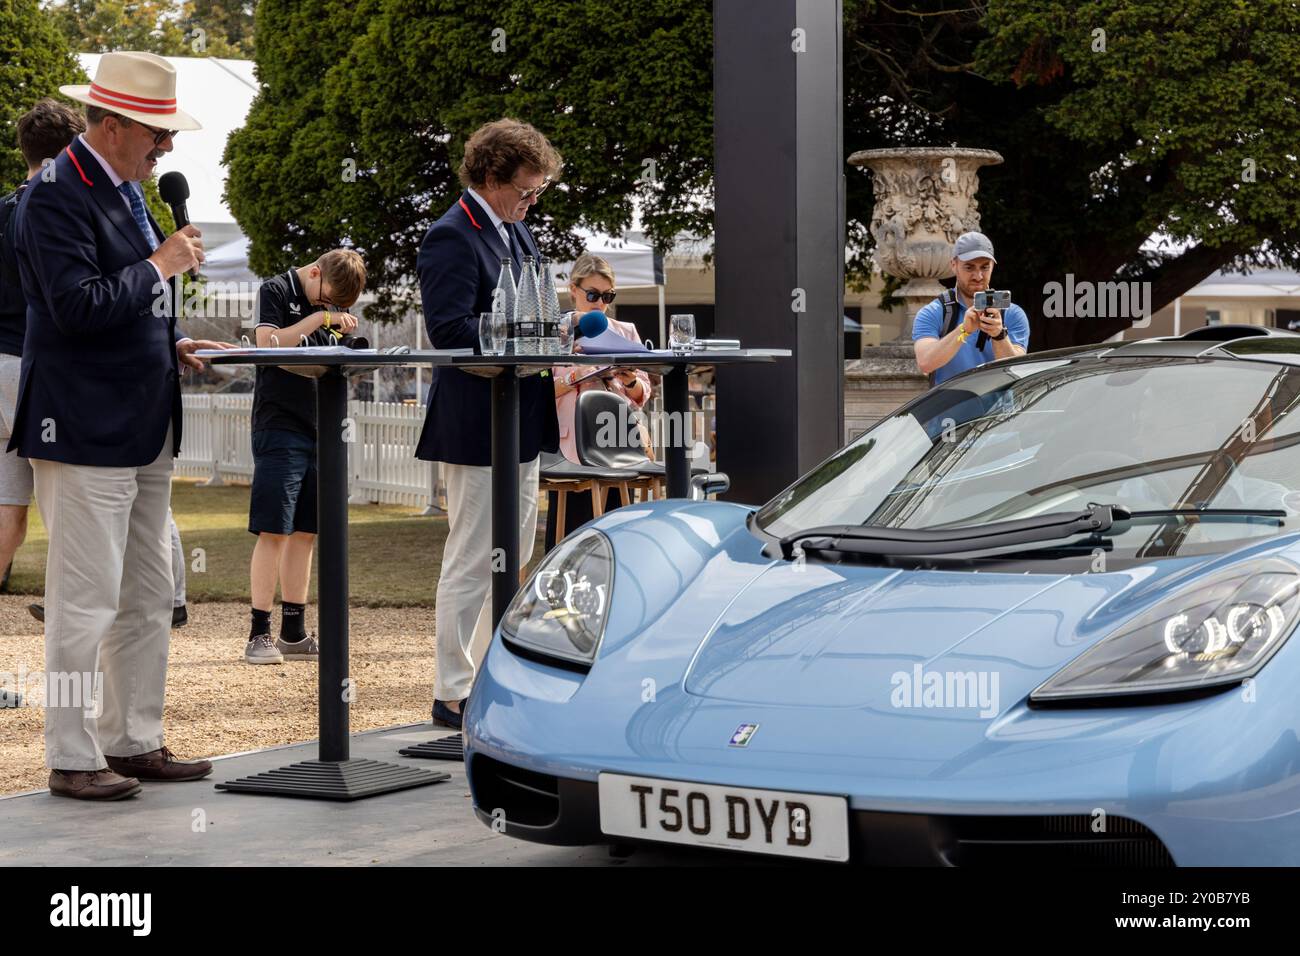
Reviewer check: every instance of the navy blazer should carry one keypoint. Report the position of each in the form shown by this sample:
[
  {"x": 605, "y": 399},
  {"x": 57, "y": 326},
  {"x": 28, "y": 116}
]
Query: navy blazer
[
  {"x": 100, "y": 380},
  {"x": 459, "y": 261}
]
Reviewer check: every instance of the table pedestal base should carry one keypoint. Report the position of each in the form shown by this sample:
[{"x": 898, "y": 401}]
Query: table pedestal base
[
  {"x": 335, "y": 779},
  {"x": 451, "y": 747}
]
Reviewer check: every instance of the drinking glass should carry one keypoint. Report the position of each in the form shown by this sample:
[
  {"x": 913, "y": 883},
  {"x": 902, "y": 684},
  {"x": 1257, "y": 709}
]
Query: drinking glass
[
  {"x": 681, "y": 333},
  {"x": 492, "y": 332},
  {"x": 566, "y": 332}
]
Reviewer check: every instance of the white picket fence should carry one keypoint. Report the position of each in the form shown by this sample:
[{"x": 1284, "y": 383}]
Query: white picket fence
[
  {"x": 382, "y": 466},
  {"x": 217, "y": 445},
  {"x": 216, "y": 442}
]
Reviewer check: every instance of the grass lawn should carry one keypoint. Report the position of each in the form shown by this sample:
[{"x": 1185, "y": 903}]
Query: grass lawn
[{"x": 396, "y": 554}]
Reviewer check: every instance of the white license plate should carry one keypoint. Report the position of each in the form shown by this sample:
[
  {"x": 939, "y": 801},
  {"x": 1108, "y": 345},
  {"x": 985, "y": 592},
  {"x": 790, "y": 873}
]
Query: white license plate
[{"x": 810, "y": 825}]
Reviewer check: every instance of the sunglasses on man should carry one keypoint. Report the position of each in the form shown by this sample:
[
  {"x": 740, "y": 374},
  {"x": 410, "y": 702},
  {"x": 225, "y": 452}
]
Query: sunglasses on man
[
  {"x": 594, "y": 296},
  {"x": 526, "y": 194},
  {"x": 158, "y": 134}
]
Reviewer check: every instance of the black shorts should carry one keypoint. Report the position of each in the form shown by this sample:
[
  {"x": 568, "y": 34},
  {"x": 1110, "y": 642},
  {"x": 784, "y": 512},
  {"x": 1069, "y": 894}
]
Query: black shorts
[{"x": 283, "y": 499}]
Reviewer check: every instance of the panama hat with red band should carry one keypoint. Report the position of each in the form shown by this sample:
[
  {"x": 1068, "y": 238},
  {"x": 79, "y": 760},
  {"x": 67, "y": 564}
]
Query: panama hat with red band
[{"x": 140, "y": 86}]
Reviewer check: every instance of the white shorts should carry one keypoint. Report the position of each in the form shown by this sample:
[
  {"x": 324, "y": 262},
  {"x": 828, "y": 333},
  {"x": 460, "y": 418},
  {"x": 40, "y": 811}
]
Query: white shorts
[{"x": 15, "y": 472}]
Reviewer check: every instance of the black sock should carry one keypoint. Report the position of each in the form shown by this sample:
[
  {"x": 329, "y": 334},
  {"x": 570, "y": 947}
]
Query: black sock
[
  {"x": 291, "y": 618},
  {"x": 261, "y": 623}
]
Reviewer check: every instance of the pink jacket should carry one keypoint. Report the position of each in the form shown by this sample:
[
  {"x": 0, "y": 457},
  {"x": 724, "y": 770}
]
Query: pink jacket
[{"x": 566, "y": 405}]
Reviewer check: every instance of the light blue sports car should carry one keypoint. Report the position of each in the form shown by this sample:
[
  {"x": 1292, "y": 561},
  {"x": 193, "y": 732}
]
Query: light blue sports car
[{"x": 1042, "y": 613}]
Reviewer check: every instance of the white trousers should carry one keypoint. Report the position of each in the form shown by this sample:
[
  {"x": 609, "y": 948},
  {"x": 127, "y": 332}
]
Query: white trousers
[
  {"x": 178, "y": 564},
  {"x": 108, "y": 607},
  {"x": 463, "y": 616}
]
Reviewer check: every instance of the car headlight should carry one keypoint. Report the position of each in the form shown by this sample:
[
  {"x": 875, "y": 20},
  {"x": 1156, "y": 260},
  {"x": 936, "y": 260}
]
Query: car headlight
[
  {"x": 1220, "y": 630},
  {"x": 561, "y": 612}
]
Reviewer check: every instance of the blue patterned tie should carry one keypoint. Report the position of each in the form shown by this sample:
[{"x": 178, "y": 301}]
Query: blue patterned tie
[
  {"x": 514, "y": 245},
  {"x": 137, "y": 210}
]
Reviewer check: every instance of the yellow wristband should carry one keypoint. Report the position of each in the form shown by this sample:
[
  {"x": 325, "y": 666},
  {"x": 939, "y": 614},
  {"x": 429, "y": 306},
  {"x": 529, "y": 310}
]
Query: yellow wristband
[
  {"x": 963, "y": 337},
  {"x": 328, "y": 317}
]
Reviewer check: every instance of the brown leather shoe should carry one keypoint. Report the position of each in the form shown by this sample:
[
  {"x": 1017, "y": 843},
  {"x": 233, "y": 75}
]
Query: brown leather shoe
[
  {"x": 160, "y": 765},
  {"x": 92, "y": 785}
]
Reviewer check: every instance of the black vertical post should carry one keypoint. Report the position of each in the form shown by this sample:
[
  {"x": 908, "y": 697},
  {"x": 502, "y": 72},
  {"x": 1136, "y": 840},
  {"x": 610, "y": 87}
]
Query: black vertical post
[
  {"x": 677, "y": 469},
  {"x": 505, "y": 491},
  {"x": 332, "y": 518},
  {"x": 779, "y": 232}
]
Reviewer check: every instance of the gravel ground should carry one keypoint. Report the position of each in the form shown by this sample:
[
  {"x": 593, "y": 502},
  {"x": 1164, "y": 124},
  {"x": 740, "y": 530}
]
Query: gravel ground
[{"x": 217, "y": 704}]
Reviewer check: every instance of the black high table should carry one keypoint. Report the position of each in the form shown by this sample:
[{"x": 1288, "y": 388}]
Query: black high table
[{"x": 335, "y": 776}]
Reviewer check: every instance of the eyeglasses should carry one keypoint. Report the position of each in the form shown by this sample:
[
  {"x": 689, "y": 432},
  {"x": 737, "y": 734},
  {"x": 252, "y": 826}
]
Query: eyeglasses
[
  {"x": 535, "y": 191},
  {"x": 158, "y": 134},
  {"x": 329, "y": 301},
  {"x": 594, "y": 296}
]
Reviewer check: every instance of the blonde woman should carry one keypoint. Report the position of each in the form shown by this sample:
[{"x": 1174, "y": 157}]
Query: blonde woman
[{"x": 591, "y": 288}]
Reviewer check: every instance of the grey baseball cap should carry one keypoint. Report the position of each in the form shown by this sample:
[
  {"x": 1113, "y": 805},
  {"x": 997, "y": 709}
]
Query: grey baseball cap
[{"x": 973, "y": 245}]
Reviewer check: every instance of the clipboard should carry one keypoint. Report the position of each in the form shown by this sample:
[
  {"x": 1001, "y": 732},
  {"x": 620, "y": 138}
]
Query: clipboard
[{"x": 598, "y": 371}]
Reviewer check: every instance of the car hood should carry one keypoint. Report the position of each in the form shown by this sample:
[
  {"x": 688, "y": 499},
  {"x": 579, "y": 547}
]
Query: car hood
[
  {"x": 849, "y": 673},
  {"x": 845, "y": 635},
  {"x": 695, "y": 595}
]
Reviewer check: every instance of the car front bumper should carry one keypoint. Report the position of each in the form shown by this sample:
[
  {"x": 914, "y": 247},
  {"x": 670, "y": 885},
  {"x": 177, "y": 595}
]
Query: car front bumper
[{"x": 1208, "y": 782}]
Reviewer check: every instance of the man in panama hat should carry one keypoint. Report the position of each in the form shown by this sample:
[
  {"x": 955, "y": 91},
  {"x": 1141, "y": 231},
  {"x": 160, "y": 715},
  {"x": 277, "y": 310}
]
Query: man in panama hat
[{"x": 99, "y": 416}]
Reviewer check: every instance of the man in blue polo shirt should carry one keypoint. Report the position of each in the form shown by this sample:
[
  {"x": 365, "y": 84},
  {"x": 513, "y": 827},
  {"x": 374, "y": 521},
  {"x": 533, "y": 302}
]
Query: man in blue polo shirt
[{"x": 947, "y": 331}]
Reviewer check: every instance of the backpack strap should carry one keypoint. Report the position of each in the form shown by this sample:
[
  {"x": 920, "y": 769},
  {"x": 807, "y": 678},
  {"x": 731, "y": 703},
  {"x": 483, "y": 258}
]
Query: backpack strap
[{"x": 949, "y": 299}]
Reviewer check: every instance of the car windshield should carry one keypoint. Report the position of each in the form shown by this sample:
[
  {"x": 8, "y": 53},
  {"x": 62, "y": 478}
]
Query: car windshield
[{"x": 1031, "y": 438}]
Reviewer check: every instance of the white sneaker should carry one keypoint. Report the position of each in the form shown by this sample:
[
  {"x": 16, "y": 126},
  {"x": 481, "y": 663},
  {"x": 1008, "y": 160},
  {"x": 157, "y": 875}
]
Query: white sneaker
[{"x": 262, "y": 650}]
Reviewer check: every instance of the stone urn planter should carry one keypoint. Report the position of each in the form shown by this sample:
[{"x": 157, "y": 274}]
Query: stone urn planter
[{"x": 925, "y": 199}]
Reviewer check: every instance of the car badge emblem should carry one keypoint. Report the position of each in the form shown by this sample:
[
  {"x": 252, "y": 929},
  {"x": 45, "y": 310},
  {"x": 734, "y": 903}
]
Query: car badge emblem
[{"x": 743, "y": 735}]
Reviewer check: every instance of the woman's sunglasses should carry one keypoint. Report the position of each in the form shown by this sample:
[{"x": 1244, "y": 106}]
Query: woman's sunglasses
[{"x": 594, "y": 296}]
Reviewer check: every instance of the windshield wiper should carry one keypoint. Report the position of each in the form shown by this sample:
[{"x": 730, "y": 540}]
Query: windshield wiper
[
  {"x": 868, "y": 539},
  {"x": 1246, "y": 513}
]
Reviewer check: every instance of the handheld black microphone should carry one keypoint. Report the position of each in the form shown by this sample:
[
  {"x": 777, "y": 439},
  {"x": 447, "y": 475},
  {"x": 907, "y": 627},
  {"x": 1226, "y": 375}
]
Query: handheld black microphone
[{"x": 174, "y": 190}]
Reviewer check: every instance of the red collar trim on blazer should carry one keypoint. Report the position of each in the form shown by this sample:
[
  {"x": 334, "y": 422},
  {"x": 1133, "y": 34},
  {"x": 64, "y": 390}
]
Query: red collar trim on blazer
[
  {"x": 80, "y": 172},
  {"x": 470, "y": 214}
]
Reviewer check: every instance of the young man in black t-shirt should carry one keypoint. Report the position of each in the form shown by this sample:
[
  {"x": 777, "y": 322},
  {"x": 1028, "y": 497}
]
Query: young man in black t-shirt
[{"x": 307, "y": 303}]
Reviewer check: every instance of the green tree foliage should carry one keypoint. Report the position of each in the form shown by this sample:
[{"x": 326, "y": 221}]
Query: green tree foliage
[
  {"x": 1182, "y": 122},
  {"x": 227, "y": 27},
  {"x": 99, "y": 26},
  {"x": 36, "y": 61},
  {"x": 221, "y": 28},
  {"x": 623, "y": 88},
  {"x": 1117, "y": 119}
]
